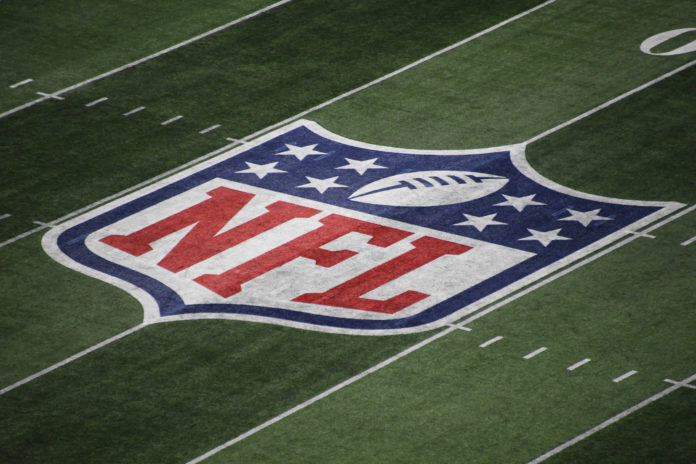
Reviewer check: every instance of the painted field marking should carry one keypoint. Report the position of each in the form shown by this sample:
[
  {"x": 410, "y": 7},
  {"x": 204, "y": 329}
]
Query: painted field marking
[
  {"x": 46, "y": 225},
  {"x": 624, "y": 376},
  {"x": 4, "y": 216},
  {"x": 169, "y": 121},
  {"x": 148, "y": 58},
  {"x": 535, "y": 352},
  {"x": 639, "y": 234},
  {"x": 211, "y": 128},
  {"x": 96, "y": 102},
  {"x": 578, "y": 364},
  {"x": 49, "y": 95},
  {"x": 322, "y": 395},
  {"x": 19, "y": 84},
  {"x": 689, "y": 242},
  {"x": 71, "y": 358},
  {"x": 491, "y": 341},
  {"x": 611, "y": 102},
  {"x": 399, "y": 71},
  {"x": 134, "y": 110},
  {"x": 681, "y": 384},
  {"x": 612, "y": 420},
  {"x": 236, "y": 142},
  {"x": 465, "y": 329}
]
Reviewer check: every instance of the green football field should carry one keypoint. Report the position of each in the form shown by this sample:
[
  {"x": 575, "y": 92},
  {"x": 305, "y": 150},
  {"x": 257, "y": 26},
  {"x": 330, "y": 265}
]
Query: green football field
[{"x": 594, "y": 363}]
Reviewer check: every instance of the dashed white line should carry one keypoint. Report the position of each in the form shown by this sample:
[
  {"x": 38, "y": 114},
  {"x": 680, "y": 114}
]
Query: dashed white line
[
  {"x": 4, "y": 216},
  {"x": 134, "y": 110},
  {"x": 535, "y": 352},
  {"x": 19, "y": 84},
  {"x": 50, "y": 95},
  {"x": 689, "y": 242},
  {"x": 624, "y": 376},
  {"x": 169, "y": 121},
  {"x": 578, "y": 364},
  {"x": 96, "y": 102},
  {"x": 209, "y": 129},
  {"x": 491, "y": 341}
]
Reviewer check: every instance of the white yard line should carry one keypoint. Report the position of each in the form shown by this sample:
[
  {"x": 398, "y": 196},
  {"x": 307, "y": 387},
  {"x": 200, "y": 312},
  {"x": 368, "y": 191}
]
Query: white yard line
[
  {"x": 535, "y": 352},
  {"x": 491, "y": 341},
  {"x": 323, "y": 395},
  {"x": 4, "y": 216},
  {"x": 96, "y": 102},
  {"x": 689, "y": 242},
  {"x": 148, "y": 58},
  {"x": 71, "y": 358},
  {"x": 19, "y": 84},
  {"x": 624, "y": 376},
  {"x": 578, "y": 364},
  {"x": 399, "y": 71},
  {"x": 612, "y": 420},
  {"x": 611, "y": 102}
]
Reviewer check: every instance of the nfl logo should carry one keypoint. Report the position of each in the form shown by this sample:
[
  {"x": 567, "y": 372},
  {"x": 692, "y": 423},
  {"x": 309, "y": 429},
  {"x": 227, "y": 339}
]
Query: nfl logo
[{"x": 308, "y": 229}]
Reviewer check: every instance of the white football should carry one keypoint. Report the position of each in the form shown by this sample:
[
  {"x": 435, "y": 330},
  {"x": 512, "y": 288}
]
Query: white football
[{"x": 429, "y": 188}]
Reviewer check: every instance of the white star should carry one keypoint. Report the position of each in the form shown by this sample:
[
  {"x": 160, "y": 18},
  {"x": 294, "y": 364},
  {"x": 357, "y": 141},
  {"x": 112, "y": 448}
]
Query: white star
[
  {"x": 322, "y": 185},
  {"x": 480, "y": 222},
  {"x": 300, "y": 152},
  {"x": 585, "y": 218},
  {"x": 519, "y": 203},
  {"x": 361, "y": 166},
  {"x": 260, "y": 170},
  {"x": 545, "y": 237}
]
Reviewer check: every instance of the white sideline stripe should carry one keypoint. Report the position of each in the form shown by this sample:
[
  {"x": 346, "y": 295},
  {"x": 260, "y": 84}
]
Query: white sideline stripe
[
  {"x": 96, "y": 102},
  {"x": 19, "y": 84},
  {"x": 578, "y": 364},
  {"x": 611, "y": 102},
  {"x": 689, "y": 242},
  {"x": 46, "y": 95},
  {"x": 134, "y": 110},
  {"x": 398, "y": 71},
  {"x": 624, "y": 376},
  {"x": 535, "y": 352},
  {"x": 4, "y": 216},
  {"x": 72, "y": 358},
  {"x": 491, "y": 341},
  {"x": 211, "y": 128},
  {"x": 237, "y": 141},
  {"x": 323, "y": 395},
  {"x": 612, "y": 420},
  {"x": 169, "y": 121},
  {"x": 148, "y": 58}
]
